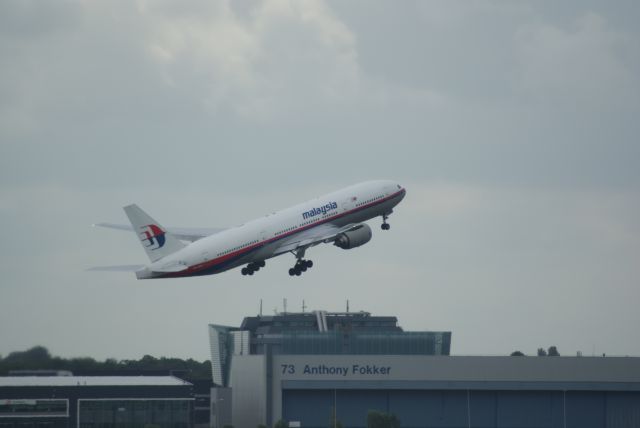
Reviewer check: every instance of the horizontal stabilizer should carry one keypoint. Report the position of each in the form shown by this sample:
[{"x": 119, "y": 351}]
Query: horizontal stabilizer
[
  {"x": 114, "y": 226},
  {"x": 121, "y": 268},
  {"x": 183, "y": 233}
]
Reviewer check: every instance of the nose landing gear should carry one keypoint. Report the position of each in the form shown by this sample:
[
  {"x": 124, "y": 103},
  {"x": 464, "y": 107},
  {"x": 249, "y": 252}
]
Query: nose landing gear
[
  {"x": 385, "y": 225},
  {"x": 252, "y": 267}
]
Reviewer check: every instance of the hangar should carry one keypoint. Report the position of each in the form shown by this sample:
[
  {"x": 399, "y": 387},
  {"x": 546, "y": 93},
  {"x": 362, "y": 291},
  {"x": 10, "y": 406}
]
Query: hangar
[
  {"x": 452, "y": 391},
  {"x": 94, "y": 401},
  {"x": 306, "y": 367}
]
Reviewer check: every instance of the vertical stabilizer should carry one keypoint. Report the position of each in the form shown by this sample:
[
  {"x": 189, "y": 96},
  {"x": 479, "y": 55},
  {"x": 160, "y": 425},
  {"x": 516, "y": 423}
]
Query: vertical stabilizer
[{"x": 157, "y": 242}]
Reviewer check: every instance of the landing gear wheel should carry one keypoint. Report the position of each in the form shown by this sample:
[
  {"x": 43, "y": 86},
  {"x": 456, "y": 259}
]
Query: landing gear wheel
[
  {"x": 385, "y": 225},
  {"x": 253, "y": 267},
  {"x": 300, "y": 267}
]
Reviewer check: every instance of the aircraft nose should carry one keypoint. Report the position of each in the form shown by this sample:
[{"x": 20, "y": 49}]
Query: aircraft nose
[{"x": 400, "y": 191}]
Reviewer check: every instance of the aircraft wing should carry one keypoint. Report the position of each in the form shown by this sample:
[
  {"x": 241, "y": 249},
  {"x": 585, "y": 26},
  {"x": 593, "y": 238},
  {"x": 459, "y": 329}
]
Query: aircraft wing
[
  {"x": 321, "y": 234},
  {"x": 183, "y": 233}
]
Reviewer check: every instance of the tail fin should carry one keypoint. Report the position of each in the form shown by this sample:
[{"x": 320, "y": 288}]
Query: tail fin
[{"x": 153, "y": 237}]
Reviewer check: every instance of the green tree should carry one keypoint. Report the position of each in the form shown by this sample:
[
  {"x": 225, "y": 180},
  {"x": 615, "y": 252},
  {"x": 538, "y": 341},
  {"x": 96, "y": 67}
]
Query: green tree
[
  {"x": 553, "y": 351},
  {"x": 542, "y": 352},
  {"x": 38, "y": 358},
  {"x": 281, "y": 424},
  {"x": 517, "y": 354},
  {"x": 37, "y": 354},
  {"x": 333, "y": 421},
  {"x": 378, "y": 419},
  {"x": 394, "y": 422},
  {"x": 375, "y": 419}
]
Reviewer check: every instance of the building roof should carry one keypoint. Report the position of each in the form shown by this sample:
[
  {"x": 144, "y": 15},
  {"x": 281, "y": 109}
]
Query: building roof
[
  {"x": 319, "y": 321},
  {"x": 18, "y": 381}
]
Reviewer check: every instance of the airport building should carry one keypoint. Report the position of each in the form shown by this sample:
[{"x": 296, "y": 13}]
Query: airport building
[
  {"x": 248, "y": 360},
  {"x": 319, "y": 369},
  {"x": 95, "y": 401},
  {"x": 305, "y": 368}
]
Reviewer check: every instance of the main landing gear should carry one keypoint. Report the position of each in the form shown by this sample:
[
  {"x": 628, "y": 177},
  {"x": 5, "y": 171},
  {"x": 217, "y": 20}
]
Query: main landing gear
[
  {"x": 253, "y": 267},
  {"x": 385, "y": 225},
  {"x": 300, "y": 266}
]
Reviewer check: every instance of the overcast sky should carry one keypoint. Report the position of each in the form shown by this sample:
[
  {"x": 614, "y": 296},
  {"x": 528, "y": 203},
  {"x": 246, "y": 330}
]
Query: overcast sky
[{"x": 513, "y": 125}]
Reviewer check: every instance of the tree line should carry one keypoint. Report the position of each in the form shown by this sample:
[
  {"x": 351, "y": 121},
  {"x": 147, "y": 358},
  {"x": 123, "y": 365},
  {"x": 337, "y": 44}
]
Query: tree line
[
  {"x": 551, "y": 352},
  {"x": 39, "y": 358}
]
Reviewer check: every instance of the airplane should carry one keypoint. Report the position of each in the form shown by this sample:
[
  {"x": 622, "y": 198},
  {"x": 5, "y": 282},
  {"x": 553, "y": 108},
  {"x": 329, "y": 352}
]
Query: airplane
[{"x": 336, "y": 218}]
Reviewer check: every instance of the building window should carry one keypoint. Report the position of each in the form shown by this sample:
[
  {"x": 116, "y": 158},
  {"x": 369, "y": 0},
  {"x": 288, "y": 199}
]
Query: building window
[
  {"x": 134, "y": 412},
  {"x": 33, "y": 408}
]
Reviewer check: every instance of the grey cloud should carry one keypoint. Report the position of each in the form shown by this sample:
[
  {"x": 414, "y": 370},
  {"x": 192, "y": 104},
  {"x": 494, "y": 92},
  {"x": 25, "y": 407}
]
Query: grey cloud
[
  {"x": 23, "y": 21},
  {"x": 589, "y": 64},
  {"x": 513, "y": 125}
]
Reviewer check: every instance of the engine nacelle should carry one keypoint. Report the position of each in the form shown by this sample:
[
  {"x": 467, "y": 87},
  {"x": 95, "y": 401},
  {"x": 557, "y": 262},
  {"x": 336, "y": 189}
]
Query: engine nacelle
[{"x": 354, "y": 238}]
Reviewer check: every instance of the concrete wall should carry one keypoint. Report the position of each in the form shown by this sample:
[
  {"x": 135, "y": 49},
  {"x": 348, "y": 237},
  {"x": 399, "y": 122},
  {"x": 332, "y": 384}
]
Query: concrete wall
[
  {"x": 249, "y": 391},
  {"x": 221, "y": 405}
]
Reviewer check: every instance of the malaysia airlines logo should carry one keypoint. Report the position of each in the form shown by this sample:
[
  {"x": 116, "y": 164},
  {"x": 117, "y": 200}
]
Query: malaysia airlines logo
[
  {"x": 320, "y": 210},
  {"x": 152, "y": 236}
]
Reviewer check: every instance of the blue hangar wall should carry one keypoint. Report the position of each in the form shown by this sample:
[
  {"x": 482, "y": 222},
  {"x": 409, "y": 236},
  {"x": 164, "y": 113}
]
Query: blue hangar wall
[
  {"x": 431, "y": 391},
  {"x": 464, "y": 408}
]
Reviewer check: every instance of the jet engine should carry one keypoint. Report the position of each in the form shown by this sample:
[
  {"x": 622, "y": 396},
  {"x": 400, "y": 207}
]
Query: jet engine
[{"x": 354, "y": 238}]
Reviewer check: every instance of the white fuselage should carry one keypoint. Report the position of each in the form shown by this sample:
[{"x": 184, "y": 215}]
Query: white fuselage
[{"x": 268, "y": 236}]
